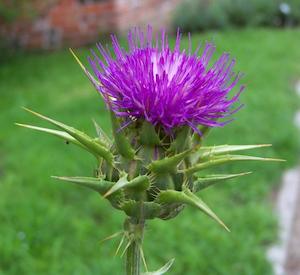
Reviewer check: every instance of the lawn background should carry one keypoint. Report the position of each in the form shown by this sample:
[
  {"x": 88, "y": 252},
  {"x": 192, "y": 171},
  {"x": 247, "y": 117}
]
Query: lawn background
[{"x": 48, "y": 227}]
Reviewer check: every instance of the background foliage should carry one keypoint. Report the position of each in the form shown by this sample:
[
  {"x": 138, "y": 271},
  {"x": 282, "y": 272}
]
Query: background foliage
[
  {"x": 11, "y": 10},
  {"x": 222, "y": 14}
]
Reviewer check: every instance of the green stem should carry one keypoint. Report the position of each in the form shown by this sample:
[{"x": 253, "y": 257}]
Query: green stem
[
  {"x": 133, "y": 259},
  {"x": 135, "y": 231}
]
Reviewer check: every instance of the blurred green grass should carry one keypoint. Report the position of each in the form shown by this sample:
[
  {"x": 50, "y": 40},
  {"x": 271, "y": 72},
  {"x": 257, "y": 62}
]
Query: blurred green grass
[{"x": 49, "y": 227}]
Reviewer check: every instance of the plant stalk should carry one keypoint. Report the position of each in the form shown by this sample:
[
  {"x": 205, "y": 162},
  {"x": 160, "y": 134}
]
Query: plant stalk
[{"x": 135, "y": 231}]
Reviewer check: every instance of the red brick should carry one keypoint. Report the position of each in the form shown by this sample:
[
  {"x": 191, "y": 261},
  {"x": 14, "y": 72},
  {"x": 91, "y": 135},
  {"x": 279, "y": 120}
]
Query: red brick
[{"x": 79, "y": 24}]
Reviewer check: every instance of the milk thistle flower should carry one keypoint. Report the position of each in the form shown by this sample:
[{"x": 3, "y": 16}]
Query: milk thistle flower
[
  {"x": 165, "y": 86},
  {"x": 162, "y": 102}
]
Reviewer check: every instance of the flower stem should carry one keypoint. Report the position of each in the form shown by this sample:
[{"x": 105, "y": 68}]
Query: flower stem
[
  {"x": 133, "y": 259},
  {"x": 135, "y": 231}
]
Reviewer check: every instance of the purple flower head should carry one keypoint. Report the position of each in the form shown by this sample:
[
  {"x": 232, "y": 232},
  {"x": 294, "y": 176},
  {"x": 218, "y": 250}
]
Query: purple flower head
[{"x": 163, "y": 85}]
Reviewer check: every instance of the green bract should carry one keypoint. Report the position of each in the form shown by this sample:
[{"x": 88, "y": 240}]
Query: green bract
[{"x": 148, "y": 176}]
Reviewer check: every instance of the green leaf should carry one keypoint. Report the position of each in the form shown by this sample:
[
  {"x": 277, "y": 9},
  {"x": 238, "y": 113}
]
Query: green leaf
[
  {"x": 208, "y": 180},
  {"x": 118, "y": 185},
  {"x": 187, "y": 197},
  {"x": 168, "y": 164},
  {"x": 102, "y": 135},
  {"x": 162, "y": 270},
  {"x": 96, "y": 147},
  {"x": 122, "y": 143},
  {"x": 97, "y": 184},
  {"x": 139, "y": 183},
  {"x": 209, "y": 151},
  {"x": 148, "y": 135},
  {"x": 65, "y": 136},
  {"x": 218, "y": 160},
  {"x": 180, "y": 142}
]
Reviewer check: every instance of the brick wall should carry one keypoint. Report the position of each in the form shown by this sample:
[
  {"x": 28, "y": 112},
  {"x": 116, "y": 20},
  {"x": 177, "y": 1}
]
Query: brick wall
[
  {"x": 80, "y": 22},
  {"x": 158, "y": 13}
]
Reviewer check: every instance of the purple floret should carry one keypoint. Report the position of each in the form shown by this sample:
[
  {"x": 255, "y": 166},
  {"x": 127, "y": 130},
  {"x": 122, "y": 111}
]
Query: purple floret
[{"x": 165, "y": 86}]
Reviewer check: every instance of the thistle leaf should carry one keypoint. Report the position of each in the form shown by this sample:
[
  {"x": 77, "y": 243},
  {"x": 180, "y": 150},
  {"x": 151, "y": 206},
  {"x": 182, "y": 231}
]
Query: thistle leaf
[
  {"x": 102, "y": 135},
  {"x": 121, "y": 183},
  {"x": 139, "y": 183},
  {"x": 94, "y": 146},
  {"x": 168, "y": 164},
  {"x": 97, "y": 184},
  {"x": 162, "y": 270},
  {"x": 187, "y": 197},
  {"x": 148, "y": 135},
  {"x": 209, "y": 151},
  {"x": 65, "y": 136},
  {"x": 122, "y": 143},
  {"x": 181, "y": 140},
  {"x": 206, "y": 181},
  {"x": 218, "y": 160}
]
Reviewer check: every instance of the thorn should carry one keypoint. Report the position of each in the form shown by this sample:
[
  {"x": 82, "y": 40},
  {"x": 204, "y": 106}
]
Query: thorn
[
  {"x": 155, "y": 191},
  {"x": 120, "y": 245},
  {"x": 126, "y": 247},
  {"x": 279, "y": 160},
  {"x": 143, "y": 257},
  {"x": 111, "y": 236},
  {"x": 109, "y": 192},
  {"x": 185, "y": 184},
  {"x": 95, "y": 82}
]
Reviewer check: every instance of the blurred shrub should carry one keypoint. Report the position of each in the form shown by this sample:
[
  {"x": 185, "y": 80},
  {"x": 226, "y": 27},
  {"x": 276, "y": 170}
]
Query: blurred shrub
[
  {"x": 252, "y": 12},
  {"x": 7, "y": 14},
  {"x": 294, "y": 17},
  {"x": 264, "y": 13},
  {"x": 11, "y": 10},
  {"x": 202, "y": 15},
  {"x": 239, "y": 12}
]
